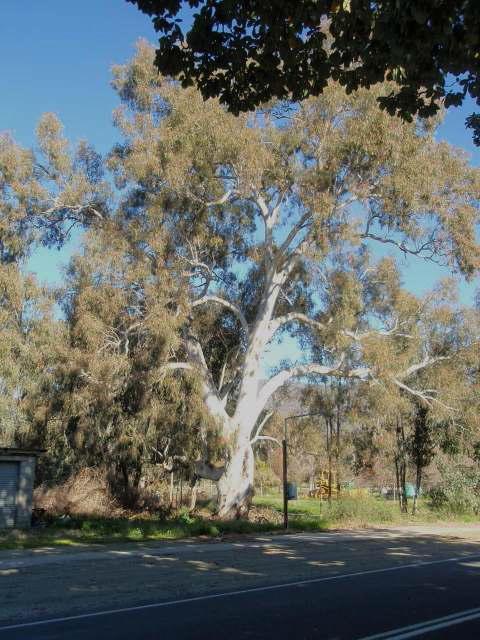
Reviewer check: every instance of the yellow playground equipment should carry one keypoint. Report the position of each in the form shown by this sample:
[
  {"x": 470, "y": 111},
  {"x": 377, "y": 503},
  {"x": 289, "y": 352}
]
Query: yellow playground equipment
[{"x": 321, "y": 486}]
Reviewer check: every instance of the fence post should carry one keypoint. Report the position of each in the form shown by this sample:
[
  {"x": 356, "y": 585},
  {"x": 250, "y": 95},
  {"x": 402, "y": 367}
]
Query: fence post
[{"x": 171, "y": 488}]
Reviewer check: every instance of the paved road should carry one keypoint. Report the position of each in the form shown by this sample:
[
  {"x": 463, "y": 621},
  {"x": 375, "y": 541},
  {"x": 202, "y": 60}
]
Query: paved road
[{"x": 405, "y": 583}]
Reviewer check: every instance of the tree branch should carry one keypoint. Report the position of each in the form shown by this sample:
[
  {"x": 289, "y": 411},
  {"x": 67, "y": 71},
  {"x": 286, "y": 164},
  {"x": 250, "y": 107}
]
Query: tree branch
[
  {"x": 266, "y": 418},
  {"x": 321, "y": 326},
  {"x": 228, "y": 305},
  {"x": 222, "y": 200},
  {"x": 425, "y": 395},
  {"x": 208, "y": 471},
  {"x": 174, "y": 366},
  {"x": 222, "y": 374},
  {"x": 382, "y": 333},
  {"x": 284, "y": 376},
  {"x": 294, "y": 316},
  {"x": 426, "y": 362},
  {"x": 210, "y": 396},
  {"x": 296, "y": 229},
  {"x": 266, "y": 438},
  {"x": 427, "y": 250}
]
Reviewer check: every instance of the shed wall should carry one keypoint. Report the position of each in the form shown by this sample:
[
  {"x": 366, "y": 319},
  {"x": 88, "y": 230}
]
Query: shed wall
[
  {"x": 9, "y": 472},
  {"x": 17, "y": 475}
]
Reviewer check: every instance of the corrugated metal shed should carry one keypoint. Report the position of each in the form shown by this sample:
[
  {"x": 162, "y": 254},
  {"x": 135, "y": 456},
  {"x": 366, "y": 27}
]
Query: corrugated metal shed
[
  {"x": 9, "y": 472},
  {"x": 17, "y": 472}
]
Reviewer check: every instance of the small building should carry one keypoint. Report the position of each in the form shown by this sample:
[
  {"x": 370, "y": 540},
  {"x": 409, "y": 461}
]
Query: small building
[{"x": 17, "y": 473}]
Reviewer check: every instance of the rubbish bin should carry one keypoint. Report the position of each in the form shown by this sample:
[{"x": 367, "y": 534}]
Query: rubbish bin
[
  {"x": 410, "y": 490},
  {"x": 291, "y": 491}
]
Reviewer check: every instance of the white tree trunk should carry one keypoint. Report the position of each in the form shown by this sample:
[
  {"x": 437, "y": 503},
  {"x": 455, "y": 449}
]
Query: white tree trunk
[{"x": 235, "y": 487}]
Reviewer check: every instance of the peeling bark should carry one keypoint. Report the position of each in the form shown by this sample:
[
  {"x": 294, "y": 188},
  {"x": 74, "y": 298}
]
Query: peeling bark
[{"x": 235, "y": 487}]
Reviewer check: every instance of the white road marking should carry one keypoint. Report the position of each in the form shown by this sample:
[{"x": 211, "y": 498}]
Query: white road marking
[
  {"x": 239, "y": 592},
  {"x": 422, "y": 628}
]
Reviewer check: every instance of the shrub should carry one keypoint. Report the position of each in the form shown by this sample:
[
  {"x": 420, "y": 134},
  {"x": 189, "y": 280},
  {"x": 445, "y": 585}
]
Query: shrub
[
  {"x": 86, "y": 492},
  {"x": 459, "y": 490},
  {"x": 184, "y": 517}
]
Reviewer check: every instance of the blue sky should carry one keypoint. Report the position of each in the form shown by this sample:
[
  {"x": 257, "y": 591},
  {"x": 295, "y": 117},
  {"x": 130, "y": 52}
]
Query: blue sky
[{"x": 57, "y": 57}]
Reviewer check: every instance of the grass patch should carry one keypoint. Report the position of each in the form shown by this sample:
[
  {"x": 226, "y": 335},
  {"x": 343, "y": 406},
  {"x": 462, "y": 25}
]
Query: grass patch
[
  {"x": 315, "y": 514},
  {"x": 307, "y": 514},
  {"x": 361, "y": 511},
  {"x": 86, "y": 530}
]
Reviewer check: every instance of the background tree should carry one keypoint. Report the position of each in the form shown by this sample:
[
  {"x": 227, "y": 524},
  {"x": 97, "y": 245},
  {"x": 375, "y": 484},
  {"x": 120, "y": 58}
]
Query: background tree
[
  {"x": 422, "y": 448},
  {"x": 46, "y": 191},
  {"x": 30, "y": 185},
  {"x": 334, "y": 401},
  {"x": 398, "y": 424},
  {"x": 28, "y": 339},
  {"x": 249, "y": 52},
  {"x": 111, "y": 386}
]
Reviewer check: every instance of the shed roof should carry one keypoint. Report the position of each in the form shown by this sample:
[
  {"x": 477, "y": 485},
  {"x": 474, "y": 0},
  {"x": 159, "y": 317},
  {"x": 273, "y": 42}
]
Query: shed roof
[{"x": 15, "y": 451}]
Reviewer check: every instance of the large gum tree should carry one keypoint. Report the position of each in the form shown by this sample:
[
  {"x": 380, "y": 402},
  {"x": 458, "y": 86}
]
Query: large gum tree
[{"x": 262, "y": 226}]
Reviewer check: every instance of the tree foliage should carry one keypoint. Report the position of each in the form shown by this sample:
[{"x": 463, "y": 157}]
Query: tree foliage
[
  {"x": 249, "y": 52},
  {"x": 28, "y": 337}
]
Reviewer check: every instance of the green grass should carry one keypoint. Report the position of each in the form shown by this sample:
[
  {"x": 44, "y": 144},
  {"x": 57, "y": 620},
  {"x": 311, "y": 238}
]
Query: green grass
[
  {"x": 86, "y": 530},
  {"x": 316, "y": 514},
  {"x": 306, "y": 514},
  {"x": 356, "y": 512}
]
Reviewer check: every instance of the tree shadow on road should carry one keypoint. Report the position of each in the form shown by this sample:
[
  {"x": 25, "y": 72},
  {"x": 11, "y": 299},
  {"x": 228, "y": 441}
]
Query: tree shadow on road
[{"x": 139, "y": 574}]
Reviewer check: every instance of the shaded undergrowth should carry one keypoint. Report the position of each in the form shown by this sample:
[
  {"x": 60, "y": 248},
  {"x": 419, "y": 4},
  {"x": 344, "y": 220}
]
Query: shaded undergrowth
[
  {"x": 305, "y": 515},
  {"x": 80, "y": 530}
]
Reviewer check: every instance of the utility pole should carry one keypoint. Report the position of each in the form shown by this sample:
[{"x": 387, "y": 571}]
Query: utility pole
[{"x": 285, "y": 476}]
